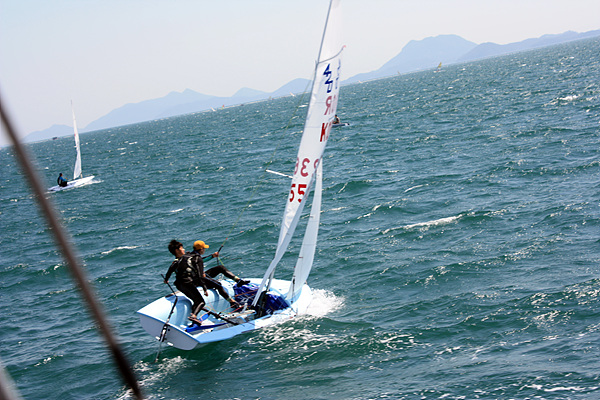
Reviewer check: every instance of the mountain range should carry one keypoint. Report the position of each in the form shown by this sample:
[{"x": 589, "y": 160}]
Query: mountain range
[{"x": 416, "y": 55}]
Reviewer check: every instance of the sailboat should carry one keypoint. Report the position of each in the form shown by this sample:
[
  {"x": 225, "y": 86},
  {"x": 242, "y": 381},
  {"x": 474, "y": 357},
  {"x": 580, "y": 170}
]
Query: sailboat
[
  {"x": 439, "y": 67},
  {"x": 78, "y": 179},
  {"x": 268, "y": 301}
]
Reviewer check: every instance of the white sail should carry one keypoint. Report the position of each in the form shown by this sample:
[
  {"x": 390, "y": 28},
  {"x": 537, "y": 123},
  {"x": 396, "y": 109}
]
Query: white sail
[
  {"x": 77, "y": 169},
  {"x": 309, "y": 243},
  {"x": 319, "y": 119}
]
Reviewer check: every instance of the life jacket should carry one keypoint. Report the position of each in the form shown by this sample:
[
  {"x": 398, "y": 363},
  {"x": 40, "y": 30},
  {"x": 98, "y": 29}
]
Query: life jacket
[{"x": 187, "y": 269}]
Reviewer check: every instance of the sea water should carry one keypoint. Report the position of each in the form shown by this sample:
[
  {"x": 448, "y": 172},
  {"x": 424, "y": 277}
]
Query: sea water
[{"x": 458, "y": 255}]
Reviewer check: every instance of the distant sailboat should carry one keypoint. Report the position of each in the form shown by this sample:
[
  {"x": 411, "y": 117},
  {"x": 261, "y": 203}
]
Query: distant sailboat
[
  {"x": 439, "y": 67},
  {"x": 78, "y": 180}
]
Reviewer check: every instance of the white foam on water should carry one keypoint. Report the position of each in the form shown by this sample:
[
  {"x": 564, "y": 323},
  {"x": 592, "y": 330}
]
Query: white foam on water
[
  {"x": 120, "y": 248},
  {"x": 323, "y": 303},
  {"x": 427, "y": 224}
]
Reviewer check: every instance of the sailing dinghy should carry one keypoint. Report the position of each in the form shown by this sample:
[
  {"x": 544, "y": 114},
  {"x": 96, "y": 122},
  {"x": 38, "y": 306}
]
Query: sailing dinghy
[
  {"x": 268, "y": 301},
  {"x": 78, "y": 179}
]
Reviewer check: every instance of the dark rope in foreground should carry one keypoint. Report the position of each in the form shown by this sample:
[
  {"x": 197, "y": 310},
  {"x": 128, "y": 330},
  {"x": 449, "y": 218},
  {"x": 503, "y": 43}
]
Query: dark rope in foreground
[{"x": 68, "y": 252}]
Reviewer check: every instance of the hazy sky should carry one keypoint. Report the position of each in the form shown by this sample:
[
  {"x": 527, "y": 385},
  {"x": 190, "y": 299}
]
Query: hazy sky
[{"x": 103, "y": 54}]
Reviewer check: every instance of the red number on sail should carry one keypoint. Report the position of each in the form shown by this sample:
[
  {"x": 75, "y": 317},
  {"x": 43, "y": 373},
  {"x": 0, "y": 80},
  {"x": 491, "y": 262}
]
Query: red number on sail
[
  {"x": 301, "y": 187},
  {"x": 303, "y": 171},
  {"x": 301, "y": 191}
]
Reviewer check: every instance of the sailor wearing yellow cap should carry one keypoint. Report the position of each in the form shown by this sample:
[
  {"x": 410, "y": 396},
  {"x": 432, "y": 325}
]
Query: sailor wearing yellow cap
[
  {"x": 189, "y": 274},
  {"x": 199, "y": 249}
]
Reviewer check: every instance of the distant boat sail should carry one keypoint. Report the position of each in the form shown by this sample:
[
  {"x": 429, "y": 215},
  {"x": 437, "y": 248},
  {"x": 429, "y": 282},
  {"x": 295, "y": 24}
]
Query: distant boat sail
[{"x": 77, "y": 169}]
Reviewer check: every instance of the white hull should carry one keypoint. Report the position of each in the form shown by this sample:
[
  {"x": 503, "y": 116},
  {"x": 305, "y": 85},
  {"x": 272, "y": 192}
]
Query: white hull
[
  {"x": 72, "y": 184},
  {"x": 153, "y": 317}
]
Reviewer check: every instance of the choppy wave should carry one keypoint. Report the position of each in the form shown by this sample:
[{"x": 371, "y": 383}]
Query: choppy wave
[
  {"x": 425, "y": 225},
  {"x": 120, "y": 248}
]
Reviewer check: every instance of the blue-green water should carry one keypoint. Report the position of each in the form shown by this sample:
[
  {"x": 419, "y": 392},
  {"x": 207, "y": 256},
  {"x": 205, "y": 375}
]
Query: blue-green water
[{"x": 458, "y": 257}]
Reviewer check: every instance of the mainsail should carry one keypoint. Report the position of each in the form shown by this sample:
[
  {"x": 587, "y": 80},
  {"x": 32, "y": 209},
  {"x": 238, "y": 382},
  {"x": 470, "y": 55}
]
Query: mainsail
[
  {"x": 77, "y": 169},
  {"x": 309, "y": 243},
  {"x": 319, "y": 119}
]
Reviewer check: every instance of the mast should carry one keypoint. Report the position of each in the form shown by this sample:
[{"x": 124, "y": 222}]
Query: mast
[{"x": 319, "y": 120}]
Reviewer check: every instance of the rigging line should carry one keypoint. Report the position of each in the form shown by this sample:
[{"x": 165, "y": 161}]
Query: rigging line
[
  {"x": 217, "y": 314},
  {"x": 72, "y": 260},
  {"x": 332, "y": 57},
  {"x": 244, "y": 295},
  {"x": 227, "y": 258},
  {"x": 262, "y": 179}
]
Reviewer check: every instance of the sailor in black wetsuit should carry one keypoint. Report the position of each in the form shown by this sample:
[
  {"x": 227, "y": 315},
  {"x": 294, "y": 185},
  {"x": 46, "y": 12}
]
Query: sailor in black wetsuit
[
  {"x": 61, "y": 181},
  {"x": 188, "y": 276}
]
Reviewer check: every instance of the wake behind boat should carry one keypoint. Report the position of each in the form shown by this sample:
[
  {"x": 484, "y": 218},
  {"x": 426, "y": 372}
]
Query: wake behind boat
[
  {"x": 78, "y": 179},
  {"x": 268, "y": 301}
]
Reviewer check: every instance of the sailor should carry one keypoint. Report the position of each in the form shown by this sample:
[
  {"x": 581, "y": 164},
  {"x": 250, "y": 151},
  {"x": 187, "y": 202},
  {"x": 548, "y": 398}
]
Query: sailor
[
  {"x": 211, "y": 274},
  {"x": 188, "y": 276},
  {"x": 336, "y": 120},
  {"x": 61, "y": 181}
]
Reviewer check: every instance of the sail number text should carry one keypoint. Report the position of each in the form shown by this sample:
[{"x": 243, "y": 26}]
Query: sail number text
[
  {"x": 330, "y": 101},
  {"x": 298, "y": 190}
]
